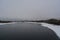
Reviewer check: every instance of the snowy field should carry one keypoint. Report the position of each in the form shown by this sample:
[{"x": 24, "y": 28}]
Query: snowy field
[{"x": 55, "y": 28}]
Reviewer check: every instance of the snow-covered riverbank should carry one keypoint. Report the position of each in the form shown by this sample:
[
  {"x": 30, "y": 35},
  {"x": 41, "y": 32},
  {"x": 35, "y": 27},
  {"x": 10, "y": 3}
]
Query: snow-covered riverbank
[
  {"x": 7, "y": 23},
  {"x": 55, "y": 28}
]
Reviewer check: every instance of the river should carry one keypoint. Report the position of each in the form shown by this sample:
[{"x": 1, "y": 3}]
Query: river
[{"x": 26, "y": 31}]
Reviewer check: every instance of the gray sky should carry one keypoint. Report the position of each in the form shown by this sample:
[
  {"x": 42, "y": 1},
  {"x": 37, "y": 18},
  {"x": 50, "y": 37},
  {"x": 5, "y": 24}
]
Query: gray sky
[{"x": 30, "y": 9}]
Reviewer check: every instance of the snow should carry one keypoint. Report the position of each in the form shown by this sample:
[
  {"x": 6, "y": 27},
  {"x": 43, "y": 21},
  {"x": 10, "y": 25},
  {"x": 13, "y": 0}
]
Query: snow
[
  {"x": 6, "y": 23},
  {"x": 55, "y": 28}
]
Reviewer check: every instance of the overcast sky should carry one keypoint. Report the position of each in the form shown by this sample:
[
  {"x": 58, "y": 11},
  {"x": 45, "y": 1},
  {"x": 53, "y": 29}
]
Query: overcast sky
[{"x": 30, "y": 9}]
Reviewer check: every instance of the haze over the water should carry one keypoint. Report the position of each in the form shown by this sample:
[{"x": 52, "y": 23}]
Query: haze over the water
[{"x": 30, "y": 9}]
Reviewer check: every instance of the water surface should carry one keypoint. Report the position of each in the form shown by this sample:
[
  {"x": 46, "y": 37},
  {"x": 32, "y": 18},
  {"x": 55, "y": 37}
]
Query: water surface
[{"x": 26, "y": 31}]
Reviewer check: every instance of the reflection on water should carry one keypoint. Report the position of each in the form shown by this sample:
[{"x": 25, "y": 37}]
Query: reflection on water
[{"x": 26, "y": 31}]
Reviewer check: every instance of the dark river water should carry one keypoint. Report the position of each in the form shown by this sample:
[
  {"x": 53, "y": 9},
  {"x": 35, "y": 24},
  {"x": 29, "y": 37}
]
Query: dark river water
[{"x": 26, "y": 31}]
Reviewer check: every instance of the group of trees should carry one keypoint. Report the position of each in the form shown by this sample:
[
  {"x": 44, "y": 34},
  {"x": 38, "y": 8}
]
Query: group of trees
[
  {"x": 53, "y": 21},
  {"x": 5, "y": 21},
  {"x": 50, "y": 21}
]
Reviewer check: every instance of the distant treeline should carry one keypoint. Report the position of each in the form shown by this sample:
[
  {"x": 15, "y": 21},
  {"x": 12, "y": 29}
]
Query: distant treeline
[
  {"x": 5, "y": 21},
  {"x": 50, "y": 21}
]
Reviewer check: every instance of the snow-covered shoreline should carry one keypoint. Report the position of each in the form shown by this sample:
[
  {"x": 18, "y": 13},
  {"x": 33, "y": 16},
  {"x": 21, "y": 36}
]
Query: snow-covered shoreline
[
  {"x": 55, "y": 28},
  {"x": 7, "y": 23}
]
